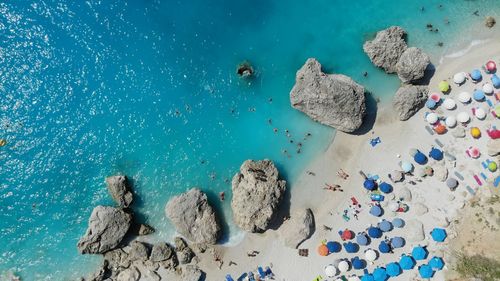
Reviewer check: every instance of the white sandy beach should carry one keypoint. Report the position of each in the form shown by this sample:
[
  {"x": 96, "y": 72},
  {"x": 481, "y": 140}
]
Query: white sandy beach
[{"x": 354, "y": 153}]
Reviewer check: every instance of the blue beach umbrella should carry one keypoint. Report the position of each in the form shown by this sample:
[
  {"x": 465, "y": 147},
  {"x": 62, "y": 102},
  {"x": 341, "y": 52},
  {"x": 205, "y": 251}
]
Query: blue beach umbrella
[
  {"x": 478, "y": 95},
  {"x": 476, "y": 74},
  {"x": 393, "y": 269},
  {"x": 438, "y": 234},
  {"x": 383, "y": 247},
  {"x": 420, "y": 158},
  {"x": 385, "y": 226},
  {"x": 357, "y": 263},
  {"x": 351, "y": 247},
  {"x": 385, "y": 187},
  {"x": 380, "y": 274},
  {"x": 369, "y": 184},
  {"x": 495, "y": 81},
  {"x": 374, "y": 232},
  {"x": 376, "y": 210},
  {"x": 367, "y": 277},
  {"x": 362, "y": 239},
  {"x": 406, "y": 166},
  {"x": 436, "y": 154},
  {"x": 333, "y": 247},
  {"x": 436, "y": 263},
  {"x": 426, "y": 271},
  {"x": 397, "y": 222},
  {"x": 407, "y": 262},
  {"x": 419, "y": 253},
  {"x": 397, "y": 242},
  {"x": 430, "y": 103}
]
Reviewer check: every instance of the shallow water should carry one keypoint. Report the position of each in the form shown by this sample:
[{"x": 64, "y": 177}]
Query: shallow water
[{"x": 148, "y": 88}]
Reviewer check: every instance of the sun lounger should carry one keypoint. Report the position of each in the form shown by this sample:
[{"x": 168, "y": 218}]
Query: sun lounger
[
  {"x": 459, "y": 175},
  {"x": 470, "y": 190},
  {"x": 483, "y": 176},
  {"x": 450, "y": 156},
  {"x": 262, "y": 274},
  {"x": 345, "y": 217},
  {"x": 354, "y": 201},
  {"x": 478, "y": 180},
  {"x": 489, "y": 103},
  {"x": 484, "y": 164},
  {"x": 251, "y": 277},
  {"x": 438, "y": 142},
  {"x": 229, "y": 278},
  {"x": 269, "y": 272},
  {"x": 496, "y": 182},
  {"x": 243, "y": 276},
  {"x": 429, "y": 130}
]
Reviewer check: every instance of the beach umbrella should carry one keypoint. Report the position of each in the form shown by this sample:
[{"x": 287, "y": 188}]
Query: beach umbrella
[
  {"x": 406, "y": 166},
  {"x": 431, "y": 118},
  {"x": 459, "y": 78},
  {"x": 450, "y": 121},
  {"x": 407, "y": 262},
  {"x": 436, "y": 154},
  {"x": 393, "y": 269},
  {"x": 385, "y": 187},
  {"x": 463, "y": 117},
  {"x": 353, "y": 278},
  {"x": 343, "y": 266},
  {"x": 426, "y": 271},
  {"x": 436, "y": 263},
  {"x": 495, "y": 133},
  {"x": 464, "y": 97},
  {"x": 476, "y": 75},
  {"x": 357, "y": 263},
  {"x": 370, "y": 255},
  {"x": 323, "y": 250},
  {"x": 444, "y": 86},
  {"x": 397, "y": 222},
  {"x": 475, "y": 153},
  {"x": 397, "y": 242},
  {"x": 480, "y": 113},
  {"x": 497, "y": 110},
  {"x": 361, "y": 239},
  {"x": 431, "y": 104},
  {"x": 347, "y": 234},
  {"x": 385, "y": 226},
  {"x": 488, "y": 89},
  {"x": 478, "y": 95},
  {"x": 394, "y": 206},
  {"x": 396, "y": 176},
  {"x": 384, "y": 247},
  {"x": 374, "y": 232},
  {"x": 435, "y": 97},
  {"x": 380, "y": 274},
  {"x": 351, "y": 247},
  {"x": 475, "y": 132},
  {"x": 376, "y": 210},
  {"x": 419, "y": 253},
  {"x": 330, "y": 270},
  {"x": 492, "y": 166},
  {"x": 438, "y": 234},
  {"x": 333, "y": 247},
  {"x": 440, "y": 129},
  {"x": 420, "y": 158},
  {"x": 451, "y": 183},
  {"x": 369, "y": 184},
  {"x": 495, "y": 81},
  {"x": 491, "y": 66},
  {"x": 429, "y": 171},
  {"x": 449, "y": 104},
  {"x": 367, "y": 277}
]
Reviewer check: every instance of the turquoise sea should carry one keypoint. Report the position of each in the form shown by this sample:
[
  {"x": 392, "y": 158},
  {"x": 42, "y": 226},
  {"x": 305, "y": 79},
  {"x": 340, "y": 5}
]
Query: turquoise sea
[{"x": 148, "y": 88}]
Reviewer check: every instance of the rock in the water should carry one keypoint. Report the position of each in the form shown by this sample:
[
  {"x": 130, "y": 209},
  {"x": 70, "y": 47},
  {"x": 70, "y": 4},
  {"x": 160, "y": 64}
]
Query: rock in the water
[
  {"x": 385, "y": 50},
  {"x": 145, "y": 229},
  {"x": 404, "y": 194},
  {"x": 298, "y": 228},
  {"x": 493, "y": 147},
  {"x": 490, "y": 21},
  {"x": 458, "y": 133},
  {"x": 412, "y": 65},
  {"x": 331, "y": 99},
  {"x": 257, "y": 193},
  {"x": 408, "y": 100},
  {"x": 441, "y": 172},
  {"x": 193, "y": 217},
  {"x": 119, "y": 189},
  {"x": 138, "y": 251},
  {"x": 184, "y": 253},
  {"x": 192, "y": 273},
  {"x": 129, "y": 274},
  {"x": 419, "y": 209},
  {"x": 161, "y": 252},
  {"x": 107, "y": 227},
  {"x": 245, "y": 69},
  {"x": 415, "y": 231}
]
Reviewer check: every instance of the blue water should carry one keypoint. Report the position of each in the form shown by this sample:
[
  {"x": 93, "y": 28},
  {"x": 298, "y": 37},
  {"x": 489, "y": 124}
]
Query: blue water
[{"x": 148, "y": 88}]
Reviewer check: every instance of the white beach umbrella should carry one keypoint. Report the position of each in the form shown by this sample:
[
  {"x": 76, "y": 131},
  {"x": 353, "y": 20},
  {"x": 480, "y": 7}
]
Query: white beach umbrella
[
  {"x": 353, "y": 278},
  {"x": 343, "y": 266},
  {"x": 463, "y": 117},
  {"x": 450, "y": 121},
  {"x": 488, "y": 89},
  {"x": 431, "y": 118},
  {"x": 394, "y": 206},
  {"x": 449, "y": 104},
  {"x": 370, "y": 255},
  {"x": 459, "y": 78},
  {"x": 464, "y": 97},
  {"x": 330, "y": 270},
  {"x": 480, "y": 113}
]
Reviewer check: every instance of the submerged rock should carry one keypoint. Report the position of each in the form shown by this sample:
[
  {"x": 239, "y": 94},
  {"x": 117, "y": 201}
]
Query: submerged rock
[
  {"x": 193, "y": 217},
  {"x": 385, "y": 50},
  {"x": 490, "y": 21},
  {"x": 331, "y": 99},
  {"x": 298, "y": 228},
  {"x": 257, "y": 193},
  {"x": 244, "y": 69},
  {"x": 408, "y": 100},
  {"x": 120, "y": 190},
  {"x": 107, "y": 227},
  {"x": 412, "y": 64}
]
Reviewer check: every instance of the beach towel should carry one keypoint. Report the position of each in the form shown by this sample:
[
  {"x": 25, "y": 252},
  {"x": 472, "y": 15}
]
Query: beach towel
[
  {"x": 459, "y": 175},
  {"x": 470, "y": 190},
  {"x": 438, "y": 142},
  {"x": 262, "y": 274},
  {"x": 429, "y": 130},
  {"x": 375, "y": 141}
]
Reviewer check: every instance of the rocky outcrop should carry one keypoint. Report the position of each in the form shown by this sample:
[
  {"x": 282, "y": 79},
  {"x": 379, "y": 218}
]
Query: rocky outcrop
[
  {"x": 385, "y": 50},
  {"x": 493, "y": 147},
  {"x": 408, "y": 100},
  {"x": 161, "y": 252},
  {"x": 192, "y": 273},
  {"x": 193, "y": 217},
  {"x": 412, "y": 64},
  {"x": 298, "y": 228},
  {"x": 415, "y": 231},
  {"x": 184, "y": 253},
  {"x": 257, "y": 193},
  {"x": 119, "y": 189},
  {"x": 144, "y": 229},
  {"x": 138, "y": 251},
  {"x": 107, "y": 227},
  {"x": 129, "y": 274},
  {"x": 331, "y": 99}
]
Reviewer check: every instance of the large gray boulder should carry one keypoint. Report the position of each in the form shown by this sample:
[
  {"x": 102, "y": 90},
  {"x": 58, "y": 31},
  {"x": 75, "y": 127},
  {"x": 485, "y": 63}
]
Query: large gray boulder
[
  {"x": 129, "y": 274},
  {"x": 107, "y": 227},
  {"x": 257, "y": 193},
  {"x": 408, "y": 100},
  {"x": 385, "y": 50},
  {"x": 119, "y": 189},
  {"x": 412, "y": 64},
  {"x": 193, "y": 217},
  {"x": 298, "y": 228},
  {"x": 192, "y": 273},
  {"x": 331, "y": 99},
  {"x": 161, "y": 252}
]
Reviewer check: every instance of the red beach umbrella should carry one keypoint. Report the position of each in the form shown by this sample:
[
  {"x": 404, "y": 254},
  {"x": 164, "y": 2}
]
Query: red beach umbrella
[
  {"x": 347, "y": 235},
  {"x": 491, "y": 66},
  {"x": 440, "y": 129}
]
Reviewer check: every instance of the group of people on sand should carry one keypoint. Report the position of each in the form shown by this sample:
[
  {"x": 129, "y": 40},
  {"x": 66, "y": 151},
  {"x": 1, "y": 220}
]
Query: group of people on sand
[{"x": 336, "y": 187}]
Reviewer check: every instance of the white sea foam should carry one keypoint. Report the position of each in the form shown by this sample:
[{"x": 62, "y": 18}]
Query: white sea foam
[
  {"x": 235, "y": 239},
  {"x": 464, "y": 51}
]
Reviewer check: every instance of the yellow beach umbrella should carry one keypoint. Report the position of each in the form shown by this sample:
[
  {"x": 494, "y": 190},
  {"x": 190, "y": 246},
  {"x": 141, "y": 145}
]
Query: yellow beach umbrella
[
  {"x": 475, "y": 132},
  {"x": 497, "y": 110},
  {"x": 444, "y": 86},
  {"x": 492, "y": 166}
]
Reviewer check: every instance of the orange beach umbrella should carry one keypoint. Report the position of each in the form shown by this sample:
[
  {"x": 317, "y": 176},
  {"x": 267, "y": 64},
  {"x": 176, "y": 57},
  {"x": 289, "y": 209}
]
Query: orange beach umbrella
[{"x": 323, "y": 250}]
